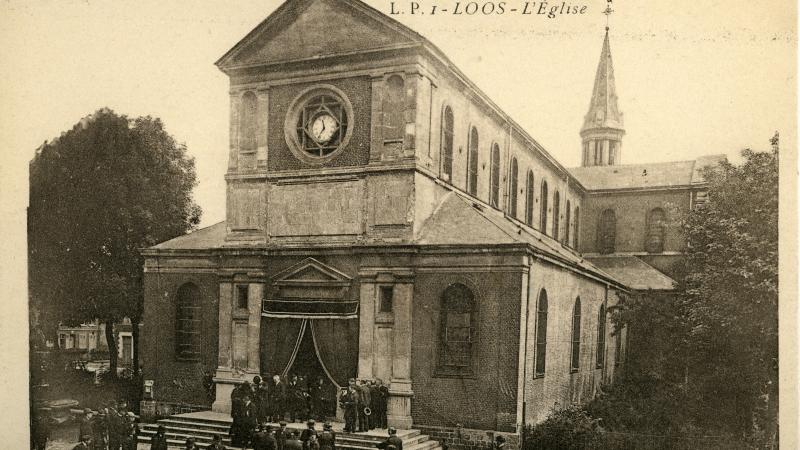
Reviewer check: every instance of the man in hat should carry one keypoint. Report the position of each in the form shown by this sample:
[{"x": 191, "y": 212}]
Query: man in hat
[
  {"x": 87, "y": 423},
  {"x": 190, "y": 444},
  {"x": 383, "y": 401},
  {"x": 100, "y": 430},
  {"x": 131, "y": 430},
  {"x": 278, "y": 398},
  {"x": 364, "y": 402},
  {"x": 159, "y": 440},
  {"x": 349, "y": 401},
  {"x": 294, "y": 443},
  {"x": 327, "y": 440},
  {"x": 85, "y": 443},
  {"x": 262, "y": 400},
  {"x": 216, "y": 443},
  {"x": 281, "y": 435},
  {"x": 307, "y": 433},
  {"x": 263, "y": 439},
  {"x": 392, "y": 440}
]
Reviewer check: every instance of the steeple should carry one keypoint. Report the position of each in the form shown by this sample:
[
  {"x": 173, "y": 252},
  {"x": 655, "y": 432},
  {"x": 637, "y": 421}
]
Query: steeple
[{"x": 603, "y": 128}]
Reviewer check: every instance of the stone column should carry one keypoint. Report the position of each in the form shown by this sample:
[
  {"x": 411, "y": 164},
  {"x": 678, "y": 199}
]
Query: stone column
[
  {"x": 255, "y": 294},
  {"x": 223, "y": 381},
  {"x": 263, "y": 128},
  {"x": 366, "y": 326},
  {"x": 376, "y": 131},
  {"x": 400, "y": 391}
]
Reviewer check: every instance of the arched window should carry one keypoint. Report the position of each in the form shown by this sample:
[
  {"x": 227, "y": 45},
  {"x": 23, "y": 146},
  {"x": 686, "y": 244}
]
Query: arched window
[
  {"x": 577, "y": 226},
  {"x": 541, "y": 333},
  {"x": 529, "y": 197},
  {"x": 512, "y": 189},
  {"x": 606, "y": 232},
  {"x": 458, "y": 329},
  {"x": 187, "y": 323},
  {"x": 601, "y": 336},
  {"x": 543, "y": 209},
  {"x": 472, "y": 163},
  {"x": 556, "y": 214},
  {"x": 494, "y": 185},
  {"x": 567, "y": 223},
  {"x": 248, "y": 123},
  {"x": 656, "y": 225},
  {"x": 576, "y": 335},
  {"x": 447, "y": 144},
  {"x": 394, "y": 110}
]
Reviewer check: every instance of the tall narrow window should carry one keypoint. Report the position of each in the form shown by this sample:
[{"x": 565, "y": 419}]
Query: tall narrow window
[
  {"x": 577, "y": 226},
  {"x": 656, "y": 224},
  {"x": 529, "y": 198},
  {"x": 567, "y": 224},
  {"x": 607, "y": 232},
  {"x": 394, "y": 110},
  {"x": 612, "y": 153},
  {"x": 472, "y": 164},
  {"x": 447, "y": 144},
  {"x": 457, "y": 330},
  {"x": 494, "y": 185},
  {"x": 187, "y": 323},
  {"x": 543, "y": 209},
  {"x": 601, "y": 336},
  {"x": 248, "y": 123},
  {"x": 541, "y": 333},
  {"x": 556, "y": 214},
  {"x": 576, "y": 336},
  {"x": 386, "y": 299},
  {"x": 512, "y": 189},
  {"x": 242, "y": 293}
]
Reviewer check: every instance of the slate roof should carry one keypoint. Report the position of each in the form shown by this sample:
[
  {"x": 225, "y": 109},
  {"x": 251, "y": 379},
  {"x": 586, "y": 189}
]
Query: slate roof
[
  {"x": 633, "y": 272},
  {"x": 205, "y": 238},
  {"x": 644, "y": 176},
  {"x": 459, "y": 220}
]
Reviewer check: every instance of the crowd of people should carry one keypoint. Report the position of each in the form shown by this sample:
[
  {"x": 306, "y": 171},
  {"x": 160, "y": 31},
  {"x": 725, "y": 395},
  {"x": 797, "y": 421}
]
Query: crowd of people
[
  {"x": 364, "y": 403},
  {"x": 112, "y": 427}
]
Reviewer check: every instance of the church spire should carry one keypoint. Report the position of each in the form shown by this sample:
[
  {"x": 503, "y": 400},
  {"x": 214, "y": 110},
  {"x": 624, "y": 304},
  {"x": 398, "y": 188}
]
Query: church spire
[{"x": 603, "y": 128}]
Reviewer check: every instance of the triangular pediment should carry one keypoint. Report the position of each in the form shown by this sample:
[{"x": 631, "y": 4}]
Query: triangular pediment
[
  {"x": 302, "y": 29},
  {"x": 311, "y": 270}
]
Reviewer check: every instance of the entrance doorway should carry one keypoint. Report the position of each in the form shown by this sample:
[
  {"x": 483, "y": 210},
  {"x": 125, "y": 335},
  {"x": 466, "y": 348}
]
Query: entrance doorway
[{"x": 313, "y": 389}]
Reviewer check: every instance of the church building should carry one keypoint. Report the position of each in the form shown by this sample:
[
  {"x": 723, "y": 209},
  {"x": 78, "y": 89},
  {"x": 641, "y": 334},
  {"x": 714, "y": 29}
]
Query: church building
[{"x": 387, "y": 220}]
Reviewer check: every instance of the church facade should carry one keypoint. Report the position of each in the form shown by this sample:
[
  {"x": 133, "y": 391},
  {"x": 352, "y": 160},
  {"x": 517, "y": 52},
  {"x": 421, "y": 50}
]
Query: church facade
[{"x": 386, "y": 220}]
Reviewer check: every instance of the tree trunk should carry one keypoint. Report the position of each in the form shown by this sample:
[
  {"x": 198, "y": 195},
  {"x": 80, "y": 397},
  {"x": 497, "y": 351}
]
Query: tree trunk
[
  {"x": 112, "y": 347},
  {"x": 135, "y": 331}
]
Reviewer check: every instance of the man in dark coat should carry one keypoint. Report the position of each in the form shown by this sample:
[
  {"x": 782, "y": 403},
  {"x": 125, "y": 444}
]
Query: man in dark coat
[
  {"x": 365, "y": 401},
  {"x": 264, "y": 439},
  {"x": 262, "y": 400},
  {"x": 349, "y": 401},
  {"x": 293, "y": 442},
  {"x": 392, "y": 440},
  {"x": 383, "y": 400},
  {"x": 87, "y": 423},
  {"x": 327, "y": 439},
  {"x": 305, "y": 436},
  {"x": 115, "y": 425},
  {"x": 278, "y": 398},
  {"x": 375, "y": 400},
  {"x": 159, "y": 440},
  {"x": 281, "y": 435}
]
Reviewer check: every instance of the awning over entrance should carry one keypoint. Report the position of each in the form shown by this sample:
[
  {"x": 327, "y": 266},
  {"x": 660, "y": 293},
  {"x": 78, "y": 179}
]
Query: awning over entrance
[{"x": 310, "y": 308}]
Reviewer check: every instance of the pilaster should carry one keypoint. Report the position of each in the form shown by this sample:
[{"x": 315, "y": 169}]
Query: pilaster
[{"x": 262, "y": 122}]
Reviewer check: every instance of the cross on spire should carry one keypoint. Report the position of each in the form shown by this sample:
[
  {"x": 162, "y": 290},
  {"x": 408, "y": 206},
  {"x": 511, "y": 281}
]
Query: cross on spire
[{"x": 608, "y": 12}]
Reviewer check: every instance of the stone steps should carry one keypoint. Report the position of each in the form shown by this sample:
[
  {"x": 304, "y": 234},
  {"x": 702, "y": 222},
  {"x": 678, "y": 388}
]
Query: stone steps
[{"x": 205, "y": 424}]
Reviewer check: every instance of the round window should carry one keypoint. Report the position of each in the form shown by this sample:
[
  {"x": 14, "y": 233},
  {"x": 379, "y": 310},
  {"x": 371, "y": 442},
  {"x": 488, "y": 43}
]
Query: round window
[{"x": 319, "y": 124}]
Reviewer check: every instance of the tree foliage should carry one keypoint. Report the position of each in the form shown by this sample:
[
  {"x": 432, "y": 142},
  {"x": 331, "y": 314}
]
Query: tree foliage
[
  {"x": 705, "y": 361},
  {"x": 100, "y": 192}
]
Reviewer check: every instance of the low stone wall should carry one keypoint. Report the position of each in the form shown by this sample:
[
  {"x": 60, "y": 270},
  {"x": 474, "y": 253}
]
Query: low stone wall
[{"x": 468, "y": 439}]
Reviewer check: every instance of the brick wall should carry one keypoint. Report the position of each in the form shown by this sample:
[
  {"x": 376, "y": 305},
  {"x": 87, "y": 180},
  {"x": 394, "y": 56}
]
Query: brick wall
[
  {"x": 178, "y": 381},
  {"x": 456, "y": 438},
  {"x": 487, "y": 398},
  {"x": 357, "y": 90}
]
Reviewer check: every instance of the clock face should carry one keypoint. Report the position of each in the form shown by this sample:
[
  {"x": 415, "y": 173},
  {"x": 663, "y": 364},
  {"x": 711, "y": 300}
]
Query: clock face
[{"x": 323, "y": 127}]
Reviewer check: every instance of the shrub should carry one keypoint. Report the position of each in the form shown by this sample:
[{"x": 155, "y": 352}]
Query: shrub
[{"x": 568, "y": 428}]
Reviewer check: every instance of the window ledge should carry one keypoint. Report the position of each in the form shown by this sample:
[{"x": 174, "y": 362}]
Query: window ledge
[
  {"x": 574, "y": 370},
  {"x": 445, "y": 373},
  {"x": 538, "y": 375}
]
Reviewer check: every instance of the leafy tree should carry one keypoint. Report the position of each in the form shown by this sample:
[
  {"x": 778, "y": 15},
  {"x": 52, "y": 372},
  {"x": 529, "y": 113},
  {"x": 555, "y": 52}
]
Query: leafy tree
[
  {"x": 705, "y": 360},
  {"x": 100, "y": 192}
]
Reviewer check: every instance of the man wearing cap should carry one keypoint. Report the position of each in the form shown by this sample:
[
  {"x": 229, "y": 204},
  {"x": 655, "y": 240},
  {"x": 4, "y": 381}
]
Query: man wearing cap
[
  {"x": 293, "y": 443},
  {"x": 87, "y": 423},
  {"x": 216, "y": 443},
  {"x": 307, "y": 433},
  {"x": 84, "y": 444},
  {"x": 392, "y": 440},
  {"x": 327, "y": 440},
  {"x": 159, "y": 440},
  {"x": 349, "y": 401},
  {"x": 264, "y": 439},
  {"x": 281, "y": 435}
]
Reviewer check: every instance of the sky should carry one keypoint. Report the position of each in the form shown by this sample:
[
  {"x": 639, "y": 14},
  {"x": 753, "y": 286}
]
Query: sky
[{"x": 693, "y": 76}]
